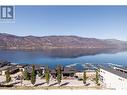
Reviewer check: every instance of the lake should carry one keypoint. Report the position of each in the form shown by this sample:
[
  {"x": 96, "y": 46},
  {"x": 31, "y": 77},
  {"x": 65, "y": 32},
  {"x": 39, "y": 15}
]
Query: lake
[{"x": 52, "y": 58}]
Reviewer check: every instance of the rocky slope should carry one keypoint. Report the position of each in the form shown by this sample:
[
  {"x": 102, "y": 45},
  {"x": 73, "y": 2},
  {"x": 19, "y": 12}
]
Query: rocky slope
[{"x": 13, "y": 42}]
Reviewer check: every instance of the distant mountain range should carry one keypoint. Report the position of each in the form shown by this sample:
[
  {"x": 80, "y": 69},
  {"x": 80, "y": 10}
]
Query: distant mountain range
[{"x": 13, "y": 42}]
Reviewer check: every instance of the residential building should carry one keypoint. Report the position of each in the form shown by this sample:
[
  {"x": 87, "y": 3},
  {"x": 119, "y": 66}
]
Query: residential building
[
  {"x": 66, "y": 72},
  {"x": 4, "y": 63},
  {"x": 113, "y": 78},
  {"x": 38, "y": 68},
  {"x": 89, "y": 74},
  {"x": 12, "y": 69}
]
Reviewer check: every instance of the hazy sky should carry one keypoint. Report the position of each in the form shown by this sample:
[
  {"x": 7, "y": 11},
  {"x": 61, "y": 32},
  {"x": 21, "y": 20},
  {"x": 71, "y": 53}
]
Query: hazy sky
[{"x": 105, "y": 22}]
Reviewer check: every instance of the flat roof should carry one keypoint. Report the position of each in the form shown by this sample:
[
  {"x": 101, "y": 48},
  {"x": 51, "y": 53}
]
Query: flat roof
[
  {"x": 11, "y": 68},
  {"x": 121, "y": 68},
  {"x": 111, "y": 70},
  {"x": 65, "y": 70},
  {"x": 4, "y": 68}
]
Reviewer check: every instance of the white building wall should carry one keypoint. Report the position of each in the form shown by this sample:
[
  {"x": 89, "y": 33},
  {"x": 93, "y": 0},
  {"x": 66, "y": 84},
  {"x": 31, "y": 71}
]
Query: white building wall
[
  {"x": 112, "y": 80},
  {"x": 3, "y": 72}
]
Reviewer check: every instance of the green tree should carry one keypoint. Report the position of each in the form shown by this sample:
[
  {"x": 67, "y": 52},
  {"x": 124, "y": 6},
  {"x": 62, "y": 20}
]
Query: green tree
[
  {"x": 8, "y": 78},
  {"x": 47, "y": 74},
  {"x": 59, "y": 74},
  {"x": 33, "y": 75},
  {"x": 97, "y": 77},
  {"x": 26, "y": 75},
  {"x": 84, "y": 77},
  {"x": 21, "y": 77}
]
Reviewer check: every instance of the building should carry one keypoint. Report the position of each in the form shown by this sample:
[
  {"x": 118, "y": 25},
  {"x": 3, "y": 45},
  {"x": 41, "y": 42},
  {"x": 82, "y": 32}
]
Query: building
[
  {"x": 4, "y": 63},
  {"x": 66, "y": 72},
  {"x": 89, "y": 74},
  {"x": 21, "y": 66},
  {"x": 113, "y": 78},
  {"x": 12, "y": 69},
  {"x": 38, "y": 68},
  {"x": 3, "y": 70}
]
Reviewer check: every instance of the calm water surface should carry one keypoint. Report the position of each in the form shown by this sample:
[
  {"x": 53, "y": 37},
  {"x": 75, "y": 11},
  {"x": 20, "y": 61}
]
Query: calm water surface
[{"x": 52, "y": 58}]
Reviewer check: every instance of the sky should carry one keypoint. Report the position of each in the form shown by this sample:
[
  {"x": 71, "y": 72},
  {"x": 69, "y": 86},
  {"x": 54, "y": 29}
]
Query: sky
[{"x": 103, "y": 22}]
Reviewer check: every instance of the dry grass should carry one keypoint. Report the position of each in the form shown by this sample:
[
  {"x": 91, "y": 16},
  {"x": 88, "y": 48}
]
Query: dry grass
[{"x": 54, "y": 88}]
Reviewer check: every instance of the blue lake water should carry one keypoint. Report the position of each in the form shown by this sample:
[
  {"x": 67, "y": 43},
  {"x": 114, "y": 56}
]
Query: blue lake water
[{"x": 40, "y": 57}]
